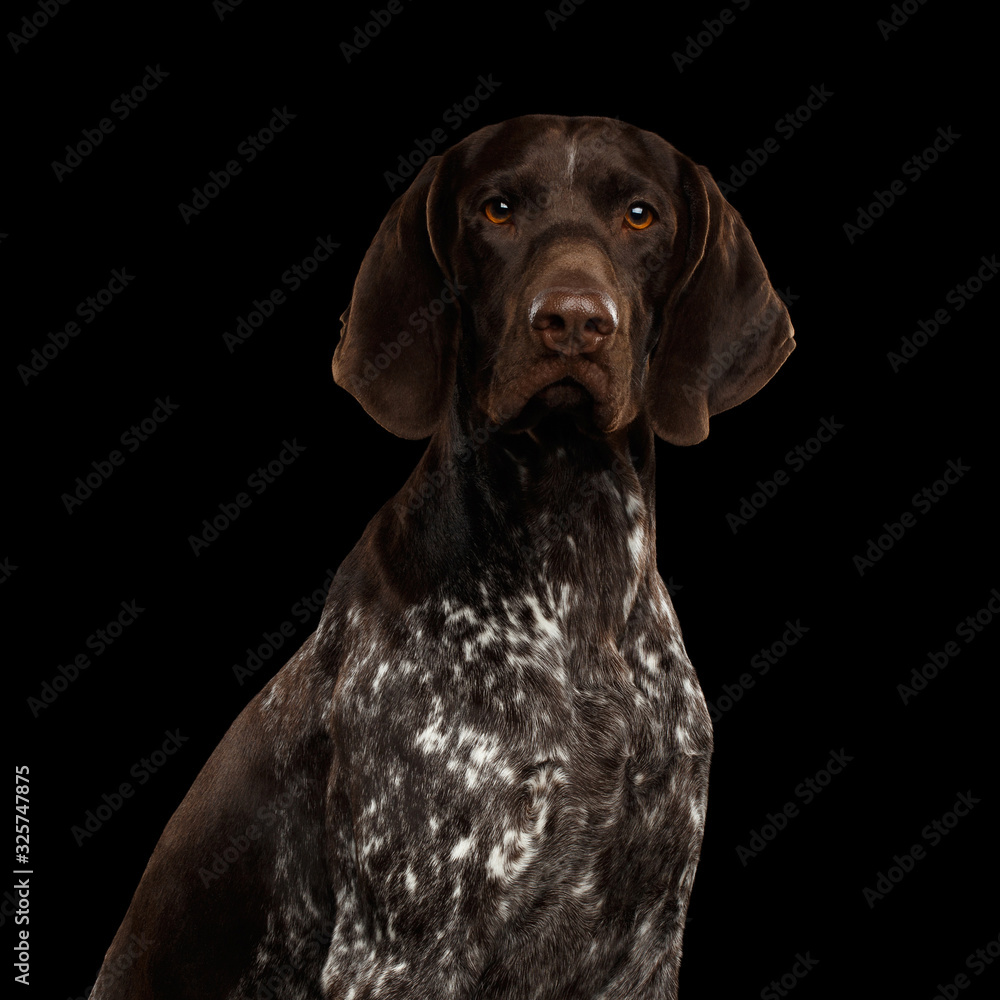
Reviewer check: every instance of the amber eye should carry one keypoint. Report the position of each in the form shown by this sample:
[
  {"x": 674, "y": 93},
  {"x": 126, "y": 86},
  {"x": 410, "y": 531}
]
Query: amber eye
[
  {"x": 498, "y": 210},
  {"x": 639, "y": 216}
]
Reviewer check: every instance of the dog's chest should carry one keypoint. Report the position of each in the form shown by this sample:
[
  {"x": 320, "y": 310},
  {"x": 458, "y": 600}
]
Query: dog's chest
[{"x": 501, "y": 774}]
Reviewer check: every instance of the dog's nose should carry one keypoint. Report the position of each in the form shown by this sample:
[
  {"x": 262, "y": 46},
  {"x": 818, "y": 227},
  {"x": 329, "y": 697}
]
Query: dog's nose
[{"x": 571, "y": 320}]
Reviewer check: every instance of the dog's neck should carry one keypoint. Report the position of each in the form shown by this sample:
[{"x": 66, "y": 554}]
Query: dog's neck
[{"x": 550, "y": 510}]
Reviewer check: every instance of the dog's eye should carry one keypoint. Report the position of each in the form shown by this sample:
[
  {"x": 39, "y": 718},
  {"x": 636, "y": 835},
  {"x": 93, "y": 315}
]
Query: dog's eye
[
  {"x": 639, "y": 216},
  {"x": 498, "y": 210}
]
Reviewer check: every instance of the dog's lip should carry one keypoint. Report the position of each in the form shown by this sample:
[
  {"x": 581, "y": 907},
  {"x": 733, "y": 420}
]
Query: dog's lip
[
  {"x": 565, "y": 381},
  {"x": 566, "y": 391},
  {"x": 553, "y": 383},
  {"x": 577, "y": 372}
]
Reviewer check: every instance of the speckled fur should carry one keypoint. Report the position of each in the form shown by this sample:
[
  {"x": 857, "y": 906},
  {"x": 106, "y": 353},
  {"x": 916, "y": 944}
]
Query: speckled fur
[
  {"x": 501, "y": 787},
  {"x": 521, "y": 776}
]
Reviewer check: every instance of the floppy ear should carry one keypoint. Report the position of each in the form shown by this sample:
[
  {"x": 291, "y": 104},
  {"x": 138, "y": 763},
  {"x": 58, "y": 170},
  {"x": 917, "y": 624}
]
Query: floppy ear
[
  {"x": 725, "y": 331},
  {"x": 399, "y": 337}
]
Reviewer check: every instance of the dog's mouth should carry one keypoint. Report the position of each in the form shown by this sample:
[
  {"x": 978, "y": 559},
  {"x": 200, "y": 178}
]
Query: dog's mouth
[
  {"x": 564, "y": 394},
  {"x": 580, "y": 388}
]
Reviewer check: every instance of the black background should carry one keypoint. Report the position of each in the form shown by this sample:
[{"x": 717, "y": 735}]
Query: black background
[{"x": 66, "y": 573}]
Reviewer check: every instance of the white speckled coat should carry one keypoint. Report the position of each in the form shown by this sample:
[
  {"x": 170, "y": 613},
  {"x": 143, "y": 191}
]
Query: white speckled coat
[{"x": 525, "y": 819}]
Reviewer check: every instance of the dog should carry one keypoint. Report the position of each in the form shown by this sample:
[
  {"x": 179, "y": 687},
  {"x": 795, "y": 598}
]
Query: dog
[{"x": 485, "y": 774}]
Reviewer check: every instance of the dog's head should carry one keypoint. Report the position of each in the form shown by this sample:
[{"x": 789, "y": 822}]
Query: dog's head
[{"x": 561, "y": 264}]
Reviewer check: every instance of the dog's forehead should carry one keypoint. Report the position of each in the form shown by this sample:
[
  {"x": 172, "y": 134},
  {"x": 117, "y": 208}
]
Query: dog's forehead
[{"x": 559, "y": 150}]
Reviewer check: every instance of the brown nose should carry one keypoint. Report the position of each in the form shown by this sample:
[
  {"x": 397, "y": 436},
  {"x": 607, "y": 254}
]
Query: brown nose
[{"x": 571, "y": 320}]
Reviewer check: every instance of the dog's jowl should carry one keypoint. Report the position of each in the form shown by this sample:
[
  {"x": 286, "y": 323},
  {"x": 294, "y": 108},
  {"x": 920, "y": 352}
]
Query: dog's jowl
[{"x": 485, "y": 775}]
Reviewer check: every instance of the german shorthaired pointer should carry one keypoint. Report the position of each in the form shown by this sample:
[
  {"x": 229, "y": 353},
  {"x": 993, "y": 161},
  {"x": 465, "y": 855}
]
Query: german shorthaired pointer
[{"x": 485, "y": 775}]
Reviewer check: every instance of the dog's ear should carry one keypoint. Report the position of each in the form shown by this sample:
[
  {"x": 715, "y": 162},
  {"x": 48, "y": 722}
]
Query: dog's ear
[
  {"x": 399, "y": 338},
  {"x": 725, "y": 332}
]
